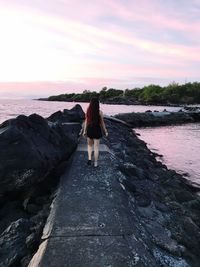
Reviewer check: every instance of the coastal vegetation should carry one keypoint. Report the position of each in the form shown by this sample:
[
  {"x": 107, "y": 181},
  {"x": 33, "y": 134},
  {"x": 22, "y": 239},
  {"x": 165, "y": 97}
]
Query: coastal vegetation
[{"x": 174, "y": 93}]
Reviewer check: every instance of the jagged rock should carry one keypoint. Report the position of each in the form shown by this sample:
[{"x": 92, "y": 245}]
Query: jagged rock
[
  {"x": 11, "y": 211},
  {"x": 166, "y": 211},
  {"x": 75, "y": 114},
  {"x": 30, "y": 149},
  {"x": 31, "y": 241},
  {"x": 158, "y": 196},
  {"x": 13, "y": 242},
  {"x": 132, "y": 171}
]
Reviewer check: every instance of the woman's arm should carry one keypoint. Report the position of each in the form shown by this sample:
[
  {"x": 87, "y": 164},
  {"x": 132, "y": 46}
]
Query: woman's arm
[
  {"x": 103, "y": 124},
  {"x": 85, "y": 127}
]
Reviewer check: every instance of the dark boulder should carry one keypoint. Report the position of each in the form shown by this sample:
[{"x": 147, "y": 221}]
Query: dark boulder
[
  {"x": 32, "y": 153},
  {"x": 30, "y": 149},
  {"x": 75, "y": 114}
]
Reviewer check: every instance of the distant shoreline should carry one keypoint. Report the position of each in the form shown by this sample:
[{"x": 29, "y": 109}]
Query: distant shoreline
[
  {"x": 115, "y": 103},
  {"x": 171, "y": 95}
]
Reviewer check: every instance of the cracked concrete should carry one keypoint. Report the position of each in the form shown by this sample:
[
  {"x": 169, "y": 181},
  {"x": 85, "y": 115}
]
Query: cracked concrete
[
  {"x": 89, "y": 219},
  {"x": 130, "y": 211}
]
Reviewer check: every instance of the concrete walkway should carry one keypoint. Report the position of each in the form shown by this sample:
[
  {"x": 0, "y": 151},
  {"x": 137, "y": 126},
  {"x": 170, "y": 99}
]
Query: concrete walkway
[{"x": 90, "y": 220}]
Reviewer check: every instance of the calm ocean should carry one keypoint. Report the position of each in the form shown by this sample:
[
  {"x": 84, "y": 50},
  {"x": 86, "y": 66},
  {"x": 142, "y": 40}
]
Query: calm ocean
[{"x": 179, "y": 145}]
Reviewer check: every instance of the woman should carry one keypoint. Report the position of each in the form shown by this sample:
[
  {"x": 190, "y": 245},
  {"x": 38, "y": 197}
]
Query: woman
[{"x": 93, "y": 126}]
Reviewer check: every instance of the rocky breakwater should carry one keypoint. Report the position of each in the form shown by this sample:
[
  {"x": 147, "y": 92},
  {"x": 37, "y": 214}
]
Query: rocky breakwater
[
  {"x": 158, "y": 118},
  {"x": 34, "y": 152},
  {"x": 166, "y": 209}
]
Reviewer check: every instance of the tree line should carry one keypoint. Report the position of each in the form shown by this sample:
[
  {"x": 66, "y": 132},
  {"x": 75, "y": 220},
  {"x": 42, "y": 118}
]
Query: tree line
[{"x": 174, "y": 93}]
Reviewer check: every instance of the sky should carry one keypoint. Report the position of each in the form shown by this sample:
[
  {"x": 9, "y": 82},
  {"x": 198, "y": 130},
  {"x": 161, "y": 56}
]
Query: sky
[{"x": 62, "y": 46}]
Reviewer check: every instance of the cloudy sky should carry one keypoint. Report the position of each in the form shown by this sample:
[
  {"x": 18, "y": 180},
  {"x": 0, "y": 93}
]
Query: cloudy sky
[{"x": 55, "y": 46}]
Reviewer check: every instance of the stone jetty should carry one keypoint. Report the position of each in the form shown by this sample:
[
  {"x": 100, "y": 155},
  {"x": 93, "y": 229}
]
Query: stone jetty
[{"x": 130, "y": 211}]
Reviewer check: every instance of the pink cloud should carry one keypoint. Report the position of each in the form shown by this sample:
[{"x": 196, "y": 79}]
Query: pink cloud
[
  {"x": 152, "y": 13},
  {"x": 91, "y": 44}
]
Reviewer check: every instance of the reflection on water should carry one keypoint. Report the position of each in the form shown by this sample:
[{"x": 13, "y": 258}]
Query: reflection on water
[
  {"x": 179, "y": 145},
  {"x": 12, "y": 108}
]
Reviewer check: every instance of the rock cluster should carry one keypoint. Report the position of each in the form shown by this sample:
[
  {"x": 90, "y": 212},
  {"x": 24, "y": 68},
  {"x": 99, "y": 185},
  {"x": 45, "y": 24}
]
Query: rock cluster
[
  {"x": 158, "y": 118},
  {"x": 165, "y": 206},
  {"x": 34, "y": 152}
]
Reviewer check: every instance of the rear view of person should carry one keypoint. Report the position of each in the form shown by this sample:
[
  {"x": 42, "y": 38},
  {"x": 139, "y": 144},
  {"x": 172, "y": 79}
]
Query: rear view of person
[{"x": 93, "y": 127}]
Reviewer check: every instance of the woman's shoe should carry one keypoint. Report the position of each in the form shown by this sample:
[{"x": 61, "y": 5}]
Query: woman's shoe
[
  {"x": 89, "y": 162},
  {"x": 96, "y": 164}
]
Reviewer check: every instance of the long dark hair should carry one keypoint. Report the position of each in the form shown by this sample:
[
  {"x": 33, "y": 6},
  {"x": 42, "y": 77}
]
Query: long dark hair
[{"x": 92, "y": 113}]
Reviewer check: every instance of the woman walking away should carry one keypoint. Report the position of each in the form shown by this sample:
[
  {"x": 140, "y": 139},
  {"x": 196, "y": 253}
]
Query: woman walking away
[{"x": 93, "y": 126}]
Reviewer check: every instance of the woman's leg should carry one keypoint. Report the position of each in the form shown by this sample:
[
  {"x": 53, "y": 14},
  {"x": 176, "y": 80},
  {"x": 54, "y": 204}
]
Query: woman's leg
[
  {"x": 96, "y": 151},
  {"x": 90, "y": 144}
]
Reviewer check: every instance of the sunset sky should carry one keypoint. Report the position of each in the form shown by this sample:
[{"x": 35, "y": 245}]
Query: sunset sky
[{"x": 59, "y": 46}]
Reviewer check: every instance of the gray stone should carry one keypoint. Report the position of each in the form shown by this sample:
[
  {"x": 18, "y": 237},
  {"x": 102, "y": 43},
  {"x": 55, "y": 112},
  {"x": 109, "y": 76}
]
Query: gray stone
[{"x": 13, "y": 243}]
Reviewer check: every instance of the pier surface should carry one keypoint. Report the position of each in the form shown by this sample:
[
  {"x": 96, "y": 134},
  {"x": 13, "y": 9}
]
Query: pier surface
[{"x": 90, "y": 223}]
